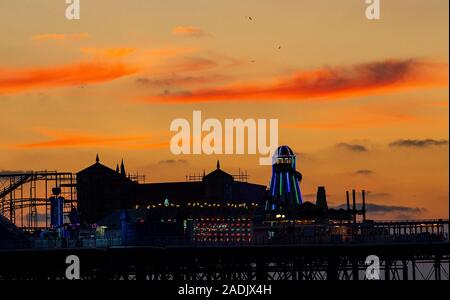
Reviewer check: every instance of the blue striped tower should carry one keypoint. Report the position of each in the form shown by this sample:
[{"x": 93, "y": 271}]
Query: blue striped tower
[{"x": 285, "y": 190}]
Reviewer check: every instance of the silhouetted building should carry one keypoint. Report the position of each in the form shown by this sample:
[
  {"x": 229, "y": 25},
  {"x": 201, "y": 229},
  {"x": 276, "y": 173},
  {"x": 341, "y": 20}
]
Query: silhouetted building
[
  {"x": 215, "y": 188},
  {"x": 101, "y": 191},
  {"x": 217, "y": 207}
]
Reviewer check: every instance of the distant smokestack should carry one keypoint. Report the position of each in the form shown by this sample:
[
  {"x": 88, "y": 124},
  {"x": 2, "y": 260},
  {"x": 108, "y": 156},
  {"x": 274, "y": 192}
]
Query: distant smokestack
[
  {"x": 348, "y": 200},
  {"x": 354, "y": 205},
  {"x": 364, "y": 204},
  {"x": 321, "y": 200}
]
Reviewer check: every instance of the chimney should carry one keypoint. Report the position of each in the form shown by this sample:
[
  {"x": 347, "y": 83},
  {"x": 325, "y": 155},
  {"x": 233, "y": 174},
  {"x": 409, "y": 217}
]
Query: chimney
[
  {"x": 348, "y": 200},
  {"x": 354, "y": 205},
  {"x": 321, "y": 200},
  {"x": 364, "y": 205}
]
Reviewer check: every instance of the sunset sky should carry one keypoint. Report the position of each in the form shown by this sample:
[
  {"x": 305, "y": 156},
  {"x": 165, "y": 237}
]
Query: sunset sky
[{"x": 363, "y": 103}]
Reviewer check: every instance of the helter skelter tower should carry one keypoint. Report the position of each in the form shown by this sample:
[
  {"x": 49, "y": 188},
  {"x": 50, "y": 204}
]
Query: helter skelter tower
[{"x": 284, "y": 185}]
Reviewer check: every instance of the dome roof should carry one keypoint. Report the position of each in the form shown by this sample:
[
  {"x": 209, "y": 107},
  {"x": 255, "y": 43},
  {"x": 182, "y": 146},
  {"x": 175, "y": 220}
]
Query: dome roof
[{"x": 284, "y": 151}]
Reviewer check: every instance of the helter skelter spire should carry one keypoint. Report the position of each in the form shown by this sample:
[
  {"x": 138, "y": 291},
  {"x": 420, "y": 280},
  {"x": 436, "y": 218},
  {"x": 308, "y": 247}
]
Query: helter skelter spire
[{"x": 284, "y": 185}]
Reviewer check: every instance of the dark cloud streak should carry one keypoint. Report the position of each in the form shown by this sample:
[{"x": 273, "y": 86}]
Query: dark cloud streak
[
  {"x": 352, "y": 147},
  {"x": 381, "y": 208},
  {"x": 410, "y": 143},
  {"x": 173, "y": 161},
  {"x": 364, "y": 172}
]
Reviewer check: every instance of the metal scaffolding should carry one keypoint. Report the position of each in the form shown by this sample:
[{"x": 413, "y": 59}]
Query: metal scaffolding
[{"x": 25, "y": 196}]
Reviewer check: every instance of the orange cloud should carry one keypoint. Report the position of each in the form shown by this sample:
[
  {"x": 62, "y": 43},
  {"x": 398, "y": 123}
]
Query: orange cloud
[
  {"x": 169, "y": 51},
  {"x": 108, "y": 52},
  {"x": 165, "y": 62},
  {"x": 19, "y": 80},
  {"x": 63, "y": 139},
  {"x": 185, "y": 64},
  {"x": 144, "y": 146},
  {"x": 189, "y": 31},
  {"x": 354, "y": 122},
  {"x": 179, "y": 65},
  {"x": 325, "y": 84},
  {"x": 61, "y": 37},
  {"x": 178, "y": 80}
]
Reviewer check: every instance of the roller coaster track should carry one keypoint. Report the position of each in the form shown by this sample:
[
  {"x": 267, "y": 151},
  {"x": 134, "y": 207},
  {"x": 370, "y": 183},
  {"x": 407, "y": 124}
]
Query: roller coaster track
[
  {"x": 15, "y": 184},
  {"x": 11, "y": 183}
]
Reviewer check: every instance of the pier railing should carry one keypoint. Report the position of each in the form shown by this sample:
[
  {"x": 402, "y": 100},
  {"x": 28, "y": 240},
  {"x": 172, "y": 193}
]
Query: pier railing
[{"x": 383, "y": 232}]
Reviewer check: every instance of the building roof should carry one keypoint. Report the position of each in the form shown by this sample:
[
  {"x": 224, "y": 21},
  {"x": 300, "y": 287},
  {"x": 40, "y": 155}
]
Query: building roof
[
  {"x": 96, "y": 168},
  {"x": 218, "y": 174}
]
